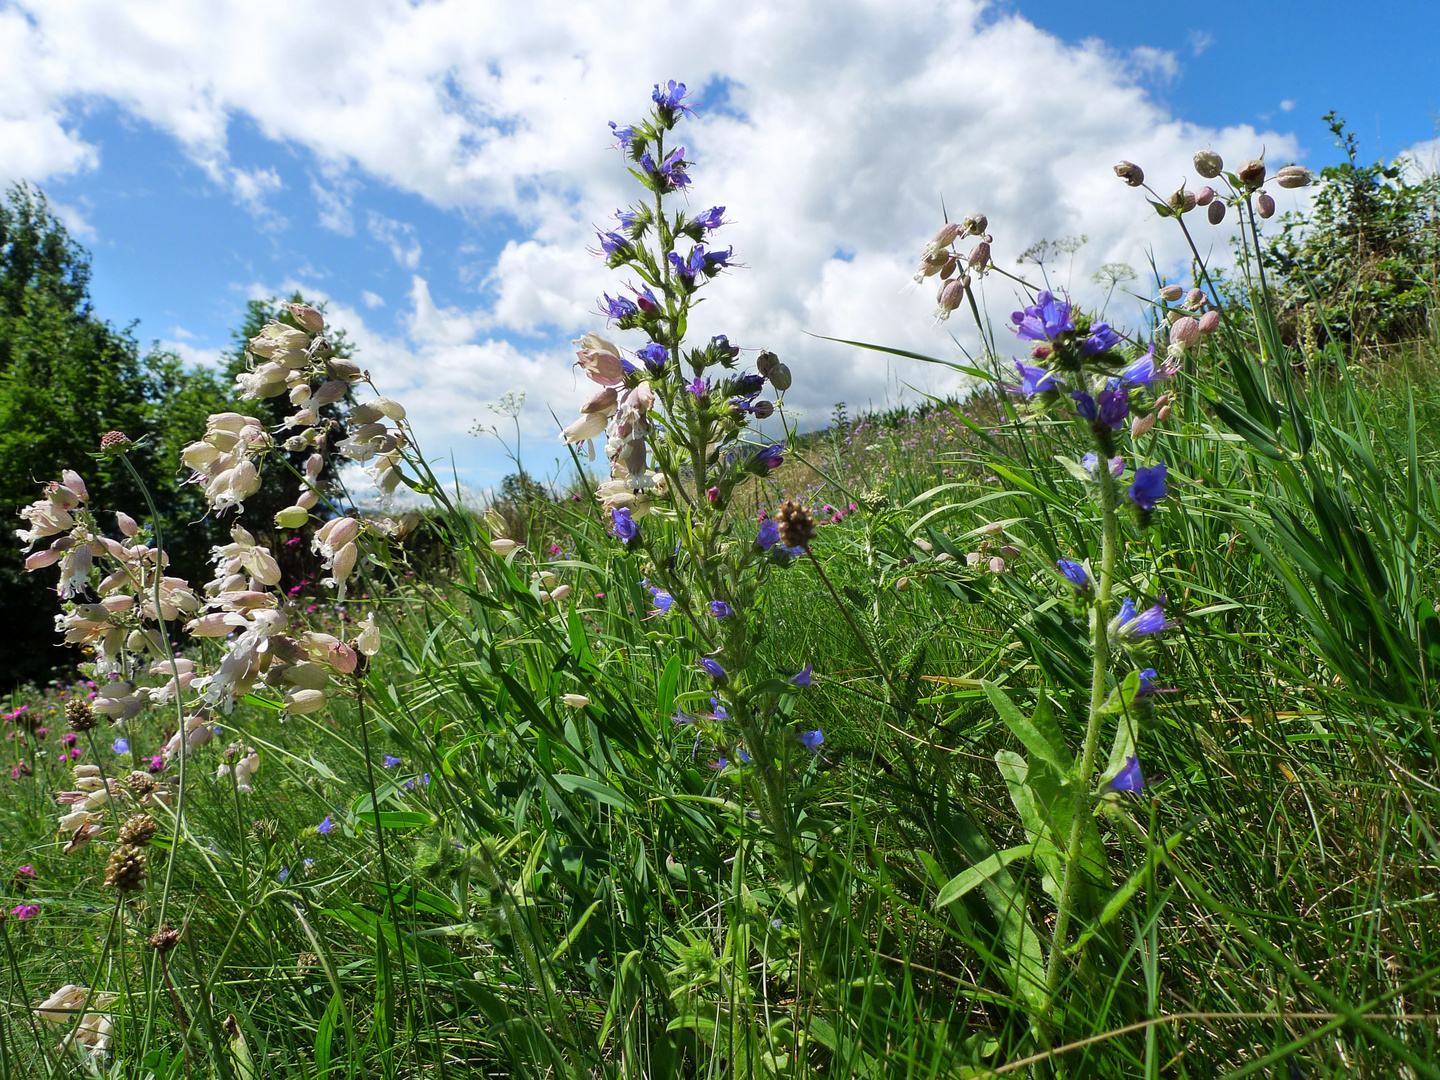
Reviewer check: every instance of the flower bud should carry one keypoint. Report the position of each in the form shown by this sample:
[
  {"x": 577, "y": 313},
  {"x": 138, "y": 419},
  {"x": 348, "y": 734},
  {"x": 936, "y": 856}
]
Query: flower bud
[
  {"x": 1252, "y": 173},
  {"x": 763, "y": 410},
  {"x": 979, "y": 256},
  {"x": 1209, "y": 321},
  {"x": 1186, "y": 331},
  {"x": 997, "y": 564},
  {"x": 946, "y": 235},
  {"x": 1163, "y": 413},
  {"x": 1215, "y": 212},
  {"x": 342, "y": 658},
  {"x": 559, "y": 594},
  {"x": 1141, "y": 425},
  {"x": 948, "y": 269},
  {"x": 330, "y": 392},
  {"x": 344, "y": 561},
  {"x": 951, "y": 294},
  {"x": 1293, "y": 176},
  {"x": 1194, "y": 299},
  {"x": 1208, "y": 164},
  {"x": 292, "y": 517},
  {"x": 300, "y": 702},
  {"x": 575, "y": 701},
  {"x": 902, "y": 584},
  {"x": 308, "y": 498},
  {"x": 1131, "y": 173},
  {"x": 128, "y": 525},
  {"x": 1205, "y": 196},
  {"x": 1171, "y": 293},
  {"x": 503, "y": 545},
  {"x": 1265, "y": 205},
  {"x": 346, "y": 370},
  {"x": 310, "y": 320}
]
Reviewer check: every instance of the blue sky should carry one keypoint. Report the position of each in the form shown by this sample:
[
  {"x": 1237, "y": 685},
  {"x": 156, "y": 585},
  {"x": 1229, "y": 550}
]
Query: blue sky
[{"x": 434, "y": 170}]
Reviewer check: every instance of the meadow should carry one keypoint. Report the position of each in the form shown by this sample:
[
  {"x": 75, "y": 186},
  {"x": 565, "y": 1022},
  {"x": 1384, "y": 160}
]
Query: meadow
[{"x": 1084, "y": 725}]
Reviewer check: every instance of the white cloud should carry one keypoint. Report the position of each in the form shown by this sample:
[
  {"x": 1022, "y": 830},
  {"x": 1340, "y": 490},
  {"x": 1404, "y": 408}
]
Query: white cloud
[
  {"x": 1287, "y": 105},
  {"x": 1200, "y": 40},
  {"x": 848, "y": 123},
  {"x": 399, "y": 237},
  {"x": 194, "y": 355},
  {"x": 372, "y": 300}
]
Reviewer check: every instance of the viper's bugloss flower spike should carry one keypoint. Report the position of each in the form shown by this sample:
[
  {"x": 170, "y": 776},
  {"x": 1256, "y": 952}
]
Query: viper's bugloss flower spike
[
  {"x": 802, "y": 677},
  {"x": 1101, "y": 339},
  {"x": 812, "y": 740},
  {"x": 1074, "y": 573},
  {"x": 720, "y": 609},
  {"x": 655, "y": 357},
  {"x": 711, "y": 219},
  {"x": 671, "y": 98},
  {"x": 1129, "y": 623},
  {"x": 620, "y": 307},
  {"x": 662, "y": 600},
  {"x": 392, "y": 762},
  {"x": 1129, "y": 778},
  {"x": 1149, "y": 487},
  {"x": 325, "y": 827},
  {"x": 711, "y": 668},
  {"x": 768, "y": 535}
]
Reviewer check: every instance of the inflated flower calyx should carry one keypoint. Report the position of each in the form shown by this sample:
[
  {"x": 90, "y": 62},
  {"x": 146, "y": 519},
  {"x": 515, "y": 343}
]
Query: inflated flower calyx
[
  {"x": 766, "y": 363},
  {"x": 1293, "y": 176},
  {"x": 310, "y": 320},
  {"x": 1131, "y": 173},
  {"x": 1171, "y": 293},
  {"x": 1182, "y": 201},
  {"x": 1204, "y": 196},
  {"x": 976, "y": 224},
  {"x": 1251, "y": 173},
  {"x": 1265, "y": 205},
  {"x": 1215, "y": 212},
  {"x": 1208, "y": 164}
]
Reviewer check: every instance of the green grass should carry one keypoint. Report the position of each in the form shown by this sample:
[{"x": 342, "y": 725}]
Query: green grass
[{"x": 576, "y": 892}]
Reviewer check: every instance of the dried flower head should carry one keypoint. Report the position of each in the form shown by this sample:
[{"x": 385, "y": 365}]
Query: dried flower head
[
  {"x": 126, "y": 869},
  {"x": 164, "y": 939},
  {"x": 141, "y": 785},
  {"x": 138, "y": 829},
  {"x": 80, "y": 715},
  {"x": 797, "y": 524},
  {"x": 115, "y": 442}
]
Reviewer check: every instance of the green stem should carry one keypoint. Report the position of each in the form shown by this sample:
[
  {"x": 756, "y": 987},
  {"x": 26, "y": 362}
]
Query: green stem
[
  {"x": 159, "y": 548},
  {"x": 1084, "y": 798}
]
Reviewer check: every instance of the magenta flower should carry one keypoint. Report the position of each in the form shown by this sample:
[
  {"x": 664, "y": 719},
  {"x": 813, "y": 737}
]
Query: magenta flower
[{"x": 25, "y": 911}]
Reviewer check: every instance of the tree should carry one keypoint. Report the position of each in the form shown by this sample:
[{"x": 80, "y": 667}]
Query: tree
[
  {"x": 1361, "y": 266},
  {"x": 66, "y": 378}
]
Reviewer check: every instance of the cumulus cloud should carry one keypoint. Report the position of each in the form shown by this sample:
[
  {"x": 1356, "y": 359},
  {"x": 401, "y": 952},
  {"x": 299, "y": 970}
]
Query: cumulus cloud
[{"x": 845, "y": 126}]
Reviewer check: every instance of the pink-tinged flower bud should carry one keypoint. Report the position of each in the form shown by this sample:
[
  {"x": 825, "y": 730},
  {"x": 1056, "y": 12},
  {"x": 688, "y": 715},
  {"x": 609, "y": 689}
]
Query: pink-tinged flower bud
[
  {"x": 1171, "y": 293},
  {"x": 1141, "y": 425},
  {"x": 41, "y": 559},
  {"x": 1215, "y": 213},
  {"x": 1265, "y": 205},
  {"x": 1194, "y": 299},
  {"x": 1040, "y": 350},
  {"x": 1209, "y": 321},
  {"x": 310, "y": 320},
  {"x": 1186, "y": 331},
  {"x": 1208, "y": 164},
  {"x": 330, "y": 392},
  {"x": 313, "y": 466},
  {"x": 215, "y": 624},
  {"x": 993, "y": 528},
  {"x": 292, "y": 517},
  {"x": 344, "y": 561},
  {"x": 1204, "y": 196},
  {"x": 337, "y": 533},
  {"x": 950, "y": 296},
  {"x": 300, "y": 393},
  {"x": 976, "y": 224},
  {"x": 979, "y": 257},
  {"x": 559, "y": 594},
  {"x": 1163, "y": 413},
  {"x": 1182, "y": 201},
  {"x": 945, "y": 236},
  {"x": 602, "y": 401},
  {"x": 997, "y": 564},
  {"x": 128, "y": 525},
  {"x": 575, "y": 701},
  {"x": 343, "y": 658},
  {"x": 308, "y": 498},
  {"x": 948, "y": 270},
  {"x": 1131, "y": 173},
  {"x": 503, "y": 545},
  {"x": 1251, "y": 173},
  {"x": 1293, "y": 176}
]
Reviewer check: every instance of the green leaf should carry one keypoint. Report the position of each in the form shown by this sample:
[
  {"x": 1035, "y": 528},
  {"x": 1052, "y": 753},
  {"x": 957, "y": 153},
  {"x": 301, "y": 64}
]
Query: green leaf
[
  {"x": 1039, "y": 732},
  {"x": 983, "y": 871},
  {"x": 323, "y": 1036},
  {"x": 595, "y": 789}
]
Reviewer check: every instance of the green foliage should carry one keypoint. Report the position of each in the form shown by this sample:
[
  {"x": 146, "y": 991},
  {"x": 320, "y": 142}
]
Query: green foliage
[
  {"x": 66, "y": 378},
  {"x": 1363, "y": 266}
]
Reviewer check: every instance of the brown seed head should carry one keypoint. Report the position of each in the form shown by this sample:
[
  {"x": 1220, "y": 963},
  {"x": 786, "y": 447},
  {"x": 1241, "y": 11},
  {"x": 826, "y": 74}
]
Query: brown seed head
[
  {"x": 80, "y": 715},
  {"x": 797, "y": 525},
  {"x": 126, "y": 869},
  {"x": 138, "y": 829},
  {"x": 141, "y": 784},
  {"x": 164, "y": 939}
]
